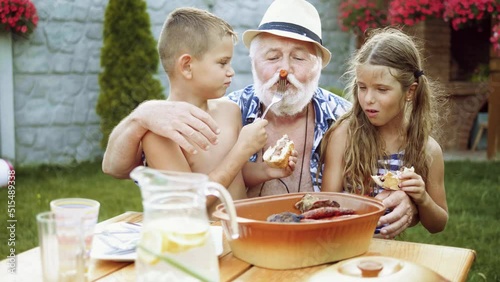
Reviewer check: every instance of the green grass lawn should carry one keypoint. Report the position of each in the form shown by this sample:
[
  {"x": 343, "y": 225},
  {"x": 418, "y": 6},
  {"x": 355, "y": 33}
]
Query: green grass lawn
[
  {"x": 36, "y": 187},
  {"x": 473, "y": 194},
  {"x": 472, "y": 188}
]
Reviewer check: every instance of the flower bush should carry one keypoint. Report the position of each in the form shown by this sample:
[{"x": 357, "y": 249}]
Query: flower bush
[
  {"x": 495, "y": 37},
  {"x": 461, "y": 13},
  {"x": 360, "y": 15},
  {"x": 410, "y": 12},
  {"x": 18, "y": 16}
]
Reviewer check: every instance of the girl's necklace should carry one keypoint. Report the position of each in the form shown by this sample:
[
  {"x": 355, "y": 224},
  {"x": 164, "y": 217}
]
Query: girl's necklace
[{"x": 302, "y": 164}]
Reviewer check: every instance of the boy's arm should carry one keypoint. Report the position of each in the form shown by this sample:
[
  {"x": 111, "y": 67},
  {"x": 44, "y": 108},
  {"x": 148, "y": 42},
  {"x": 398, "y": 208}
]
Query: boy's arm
[
  {"x": 164, "y": 154},
  {"x": 123, "y": 152},
  {"x": 179, "y": 121},
  {"x": 252, "y": 138}
]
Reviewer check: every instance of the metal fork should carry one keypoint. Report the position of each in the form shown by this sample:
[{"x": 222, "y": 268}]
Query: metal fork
[{"x": 278, "y": 96}]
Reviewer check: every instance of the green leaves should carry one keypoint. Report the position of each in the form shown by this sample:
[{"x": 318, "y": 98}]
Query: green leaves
[{"x": 129, "y": 61}]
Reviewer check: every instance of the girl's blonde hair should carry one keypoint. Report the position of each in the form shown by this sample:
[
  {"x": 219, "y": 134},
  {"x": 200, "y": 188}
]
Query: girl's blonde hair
[
  {"x": 190, "y": 30},
  {"x": 392, "y": 48}
]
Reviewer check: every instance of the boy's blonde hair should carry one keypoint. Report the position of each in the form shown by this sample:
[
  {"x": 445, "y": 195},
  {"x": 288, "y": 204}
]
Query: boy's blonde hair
[
  {"x": 192, "y": 31},
  {"x": 392, "y": 48}
]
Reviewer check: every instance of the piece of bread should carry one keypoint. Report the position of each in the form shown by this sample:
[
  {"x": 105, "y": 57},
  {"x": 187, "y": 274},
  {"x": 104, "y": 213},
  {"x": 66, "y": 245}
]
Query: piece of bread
[
  {"x": 390, "y": 180},
  {"x": 277, "y": 155}
]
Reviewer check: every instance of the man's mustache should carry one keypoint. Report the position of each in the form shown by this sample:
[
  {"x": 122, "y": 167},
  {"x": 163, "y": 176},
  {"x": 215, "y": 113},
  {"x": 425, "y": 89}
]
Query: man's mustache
[{"x": 292, "y": 81}]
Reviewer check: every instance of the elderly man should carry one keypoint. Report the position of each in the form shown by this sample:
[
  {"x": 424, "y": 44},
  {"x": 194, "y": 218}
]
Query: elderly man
[{"x": 288, "y": 38}]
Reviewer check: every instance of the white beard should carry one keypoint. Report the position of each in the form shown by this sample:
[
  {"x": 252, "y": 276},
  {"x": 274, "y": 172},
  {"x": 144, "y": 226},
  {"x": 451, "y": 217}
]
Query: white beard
[{"x": 295, "y": 99}]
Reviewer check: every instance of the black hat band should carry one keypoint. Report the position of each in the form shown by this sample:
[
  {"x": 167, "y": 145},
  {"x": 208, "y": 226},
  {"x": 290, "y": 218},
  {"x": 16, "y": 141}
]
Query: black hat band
[{"x": 291, "y": 28}]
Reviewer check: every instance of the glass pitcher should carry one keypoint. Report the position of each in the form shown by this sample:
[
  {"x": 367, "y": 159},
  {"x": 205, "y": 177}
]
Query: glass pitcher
[{"x": 175, "y": 243}]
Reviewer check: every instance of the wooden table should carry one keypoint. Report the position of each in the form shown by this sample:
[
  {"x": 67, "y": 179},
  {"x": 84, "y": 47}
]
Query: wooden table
[{"x": 452, "y": 263}]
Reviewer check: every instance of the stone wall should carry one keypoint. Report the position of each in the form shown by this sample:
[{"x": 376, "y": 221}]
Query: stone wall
[
  {"x": 56, "y": 71},
  {"x": 55, "y": 84},
  {"x": 466, "y": 100}
]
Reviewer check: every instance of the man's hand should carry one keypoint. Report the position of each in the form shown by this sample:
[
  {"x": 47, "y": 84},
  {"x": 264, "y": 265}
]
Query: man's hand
[
  {"x": 181, "y": 122},
  {"x": 284, "y": 172},
  {"x": 401, "y": 216}
]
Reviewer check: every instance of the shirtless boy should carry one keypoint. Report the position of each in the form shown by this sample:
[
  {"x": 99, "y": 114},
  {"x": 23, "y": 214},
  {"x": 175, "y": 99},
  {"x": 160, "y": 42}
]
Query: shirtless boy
[{"x": 196, "y": 49}]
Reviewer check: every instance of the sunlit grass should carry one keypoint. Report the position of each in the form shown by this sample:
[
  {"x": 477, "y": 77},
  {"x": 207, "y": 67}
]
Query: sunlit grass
[
  {"x": 36, "y": 187},
  {"x": 473, "y": 195}
]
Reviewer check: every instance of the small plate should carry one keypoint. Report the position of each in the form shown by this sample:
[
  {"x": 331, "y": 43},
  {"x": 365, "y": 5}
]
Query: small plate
[{"x": 124, "y": 231}]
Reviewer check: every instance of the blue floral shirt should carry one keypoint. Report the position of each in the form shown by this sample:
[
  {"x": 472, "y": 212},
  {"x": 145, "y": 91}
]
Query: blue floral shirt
[{"x": 328, "y": 107}]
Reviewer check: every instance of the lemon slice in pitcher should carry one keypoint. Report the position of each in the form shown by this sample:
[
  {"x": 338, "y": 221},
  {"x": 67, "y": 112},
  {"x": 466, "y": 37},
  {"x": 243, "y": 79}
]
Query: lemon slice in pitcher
[
  {"x": 151, "y": 241},
  {"x": 184, "y": 240},
  {"x": 167, "y": 237}
]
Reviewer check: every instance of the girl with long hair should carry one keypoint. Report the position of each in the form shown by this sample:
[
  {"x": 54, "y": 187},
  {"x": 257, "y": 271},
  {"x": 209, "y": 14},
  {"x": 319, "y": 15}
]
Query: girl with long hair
[{"x": 389, "y": 127}]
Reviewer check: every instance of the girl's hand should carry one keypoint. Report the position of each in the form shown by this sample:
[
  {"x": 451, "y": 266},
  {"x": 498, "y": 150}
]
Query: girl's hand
[{"x": 414, "y": 186}]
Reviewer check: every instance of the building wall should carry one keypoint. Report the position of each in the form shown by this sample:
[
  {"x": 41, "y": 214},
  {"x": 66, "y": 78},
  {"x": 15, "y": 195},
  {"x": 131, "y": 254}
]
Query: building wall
[
  {"x": 433, "y": 36},
  {"x": 56, "y": 71},
  {"x": 493, "y": 129},
  {"x": 465, "y": 98},
  {"x": 55, "y": 84}
]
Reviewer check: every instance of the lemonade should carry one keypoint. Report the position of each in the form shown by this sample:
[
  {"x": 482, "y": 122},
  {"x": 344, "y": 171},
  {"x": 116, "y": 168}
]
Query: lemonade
[
  {"x": 175, "y": 243},
  {"x": 176, "y": 249}
]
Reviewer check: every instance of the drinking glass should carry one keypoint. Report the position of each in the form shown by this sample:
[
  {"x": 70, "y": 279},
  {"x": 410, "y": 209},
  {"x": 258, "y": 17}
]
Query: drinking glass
[
  {"x": 75, "y": 221},
  {"x": 62, "y": 256}
]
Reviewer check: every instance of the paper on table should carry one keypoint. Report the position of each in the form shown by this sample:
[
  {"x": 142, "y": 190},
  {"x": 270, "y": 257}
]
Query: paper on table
[{"x": 125, "y": 231}]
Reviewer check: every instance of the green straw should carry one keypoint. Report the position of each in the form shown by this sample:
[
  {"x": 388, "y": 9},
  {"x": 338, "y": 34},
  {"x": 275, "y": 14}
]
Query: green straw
[{"x": 176, "y": 264}]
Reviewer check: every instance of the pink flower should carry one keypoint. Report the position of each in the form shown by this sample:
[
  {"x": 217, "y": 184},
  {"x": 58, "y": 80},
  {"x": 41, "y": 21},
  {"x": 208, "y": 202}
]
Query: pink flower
[
  {"x": 495, "y": 38},
  {"x": 465, "y": 12},
  {"x": 359, "y": 15},
  {"x": 18, "y": 16},
  {"x": 413, "y": 11}
]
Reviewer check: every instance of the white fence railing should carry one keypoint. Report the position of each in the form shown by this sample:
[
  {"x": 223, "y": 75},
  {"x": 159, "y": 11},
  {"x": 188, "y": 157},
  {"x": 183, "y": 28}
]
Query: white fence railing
[{"x": 7, "y": 131}]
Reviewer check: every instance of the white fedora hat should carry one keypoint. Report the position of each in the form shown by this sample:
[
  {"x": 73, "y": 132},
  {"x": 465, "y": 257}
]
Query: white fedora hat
[{"x": 297, "y": 19}]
